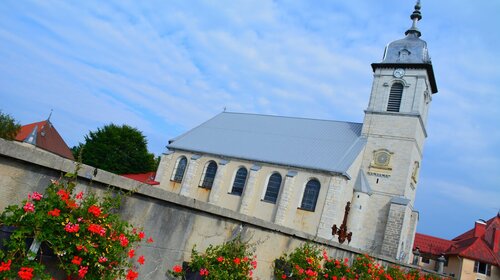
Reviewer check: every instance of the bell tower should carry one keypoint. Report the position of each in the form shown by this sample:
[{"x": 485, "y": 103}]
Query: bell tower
[{"x": 395, "y": 128}]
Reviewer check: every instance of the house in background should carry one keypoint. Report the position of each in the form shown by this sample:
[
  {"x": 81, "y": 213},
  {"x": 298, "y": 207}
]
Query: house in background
[
  {"x": 146, "y": 178},
  {"x": 44, "y": 135},
  {"x": 473, "y": 255}
]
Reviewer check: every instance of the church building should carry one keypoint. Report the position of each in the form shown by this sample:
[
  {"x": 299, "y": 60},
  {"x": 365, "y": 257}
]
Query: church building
[{"x": 311, "y": 174}]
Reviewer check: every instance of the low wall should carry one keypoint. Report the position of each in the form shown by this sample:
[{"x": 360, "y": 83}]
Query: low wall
[{"x": 175, "y": 222}]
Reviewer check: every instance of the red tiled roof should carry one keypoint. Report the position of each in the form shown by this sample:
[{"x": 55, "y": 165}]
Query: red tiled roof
[
  {"x": 469, "y": 245},
  {"x": 47, "y": 138},
  {"x": 147, "y": 178},
  {"x": 474, "y": 248},
  {"x": 430, "y": 244}
]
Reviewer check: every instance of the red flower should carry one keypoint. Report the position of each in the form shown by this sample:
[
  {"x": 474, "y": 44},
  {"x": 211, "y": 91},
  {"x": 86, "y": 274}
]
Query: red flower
[
  {"x": 204, "y": 272},
  {"x": 132, "y": 275},
  {"x": 237, "y": 261},
  {"x": 29, "y": 207},
  {"x": 64, "y": 195},
  {"x": 245, "y": 259},
  {"x": 220, "y": 259},
  {"x": 70, "y": 227},
  {"x": 71, "y": 204},
  {"x": 97, "y": 229},
  {"x": 95, "y": 210},
  {"x": 283, "y": 276},
  {"x": 5, "y": 266},
  {"x": 54, "y": 212},
  {"x": 150, "y": 240},
  {"x": 102, "y": 259},
  {"x": 82, "y": 271},
  {"x": 131, "y": 253},
  {"x": 141, "y": 260},
  {"x": 123, "y": 240},
  {"x": 25, "y": 273},
  {"x": 77, "y": 260},
  {"x": 141, "y": 235},
  {"x": 79, "y": 195},
  {"x": 177, "y": 268}
]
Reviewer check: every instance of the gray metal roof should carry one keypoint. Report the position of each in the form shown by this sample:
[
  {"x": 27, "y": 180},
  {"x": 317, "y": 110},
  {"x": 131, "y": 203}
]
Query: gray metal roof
[
  {"x": 298, "y": 142},
  {"x": 362, "y": 184},
  {"x": 410, "y": 49}
]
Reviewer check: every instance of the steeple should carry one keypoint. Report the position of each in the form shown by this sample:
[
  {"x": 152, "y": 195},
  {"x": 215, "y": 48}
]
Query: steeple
[
  {"x": 415, "y": 17},
  {"x": 411, "y": 51}
]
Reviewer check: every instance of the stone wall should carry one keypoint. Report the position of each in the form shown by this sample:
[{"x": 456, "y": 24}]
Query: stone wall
[{"x": 175, "y": 222}]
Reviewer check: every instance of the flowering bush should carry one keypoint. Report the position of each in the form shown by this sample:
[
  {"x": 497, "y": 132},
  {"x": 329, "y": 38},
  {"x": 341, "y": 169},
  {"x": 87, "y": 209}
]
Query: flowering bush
[
  {"x": 308, "y": 262},
  {"x": 87, "y": 237},
  {"x": 231, "y": 260}
]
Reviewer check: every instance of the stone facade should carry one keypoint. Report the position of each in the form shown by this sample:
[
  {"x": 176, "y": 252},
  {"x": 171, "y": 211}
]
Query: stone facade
[{"x": 174, "y": 221}]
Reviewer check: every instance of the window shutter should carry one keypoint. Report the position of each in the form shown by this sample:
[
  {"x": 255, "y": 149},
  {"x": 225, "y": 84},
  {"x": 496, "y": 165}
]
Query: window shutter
[{"x": 395, "y": 97}]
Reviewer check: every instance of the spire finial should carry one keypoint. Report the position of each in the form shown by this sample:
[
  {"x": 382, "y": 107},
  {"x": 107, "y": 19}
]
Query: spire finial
[
  {"x": 415, "y": 16},
  {"x": 50, "y": 115}
]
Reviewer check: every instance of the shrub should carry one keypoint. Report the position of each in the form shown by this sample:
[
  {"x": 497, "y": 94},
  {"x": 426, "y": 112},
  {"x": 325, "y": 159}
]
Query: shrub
[
  {"x": 87, "y": 237},
  {"x": 232, "y": 260}
]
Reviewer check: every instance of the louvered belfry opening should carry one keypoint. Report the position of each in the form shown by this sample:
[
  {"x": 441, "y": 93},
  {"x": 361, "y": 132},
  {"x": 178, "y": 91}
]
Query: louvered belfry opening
[{"x": 395, "y": 98}]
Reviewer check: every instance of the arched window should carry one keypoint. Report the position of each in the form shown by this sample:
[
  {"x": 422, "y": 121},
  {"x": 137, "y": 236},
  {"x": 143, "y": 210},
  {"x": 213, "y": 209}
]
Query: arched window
[
  {"x": 310, "y": 196},
  {"x": 239, "y": 181},
  {"x": 395, "y": 97},
  {"x": 273, "y": 188},
  {"x": 180, "y": 167},
  {"x": 209, "y": 175}
]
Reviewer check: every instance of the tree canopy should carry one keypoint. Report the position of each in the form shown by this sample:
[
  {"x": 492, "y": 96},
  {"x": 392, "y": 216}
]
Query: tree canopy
[
  {"x": 9, "y": 127},
  {"x": 117, "y": 149}
]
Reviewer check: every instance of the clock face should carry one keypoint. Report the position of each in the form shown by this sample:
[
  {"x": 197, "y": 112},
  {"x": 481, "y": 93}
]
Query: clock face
[
  {"x": 398, "y": 73},
  {"x": 382, "y": 159}
]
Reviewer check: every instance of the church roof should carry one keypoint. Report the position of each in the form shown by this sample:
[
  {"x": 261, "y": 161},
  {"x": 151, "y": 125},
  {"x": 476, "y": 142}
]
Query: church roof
[{"x": 324, "y": 145}]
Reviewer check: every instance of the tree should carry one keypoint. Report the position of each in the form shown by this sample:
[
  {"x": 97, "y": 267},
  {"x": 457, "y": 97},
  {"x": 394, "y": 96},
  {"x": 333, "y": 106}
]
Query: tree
[
  {"x": 117, "y": 149},
  {"x": 8, "y": 127}
]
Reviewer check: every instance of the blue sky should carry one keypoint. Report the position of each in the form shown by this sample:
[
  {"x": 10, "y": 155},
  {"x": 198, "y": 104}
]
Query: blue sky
[{"x": 166, "y": 66}]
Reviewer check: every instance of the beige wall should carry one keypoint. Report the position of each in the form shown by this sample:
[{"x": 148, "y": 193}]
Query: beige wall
[{"x": 296, "y": 218}]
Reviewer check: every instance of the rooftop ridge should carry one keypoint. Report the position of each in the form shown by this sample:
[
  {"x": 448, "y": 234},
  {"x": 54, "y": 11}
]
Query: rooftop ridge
[{"x": 289, "y": 117}]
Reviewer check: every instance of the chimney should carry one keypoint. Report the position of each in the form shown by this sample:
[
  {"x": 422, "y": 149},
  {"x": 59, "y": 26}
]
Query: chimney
[{"x": 479, "y": 228}]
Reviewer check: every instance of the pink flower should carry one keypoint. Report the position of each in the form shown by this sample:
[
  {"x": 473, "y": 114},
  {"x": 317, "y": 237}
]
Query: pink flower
[
  {"x": 37, "y": 196},
  {"x": 71, "y": 228},
  {"x": 79, "y": 195},
  {"x": 82, "y": 271},
  {"x": 204, "y": 272},
  {"x": 254, "y": 264},
  {"x": 102, "y": 259},
  {"x": 29, "y": 207}
]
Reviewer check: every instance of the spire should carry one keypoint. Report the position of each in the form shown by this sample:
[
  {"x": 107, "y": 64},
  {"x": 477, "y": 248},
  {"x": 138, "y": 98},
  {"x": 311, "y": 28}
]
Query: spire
[{"x": 415, "y": 16}]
